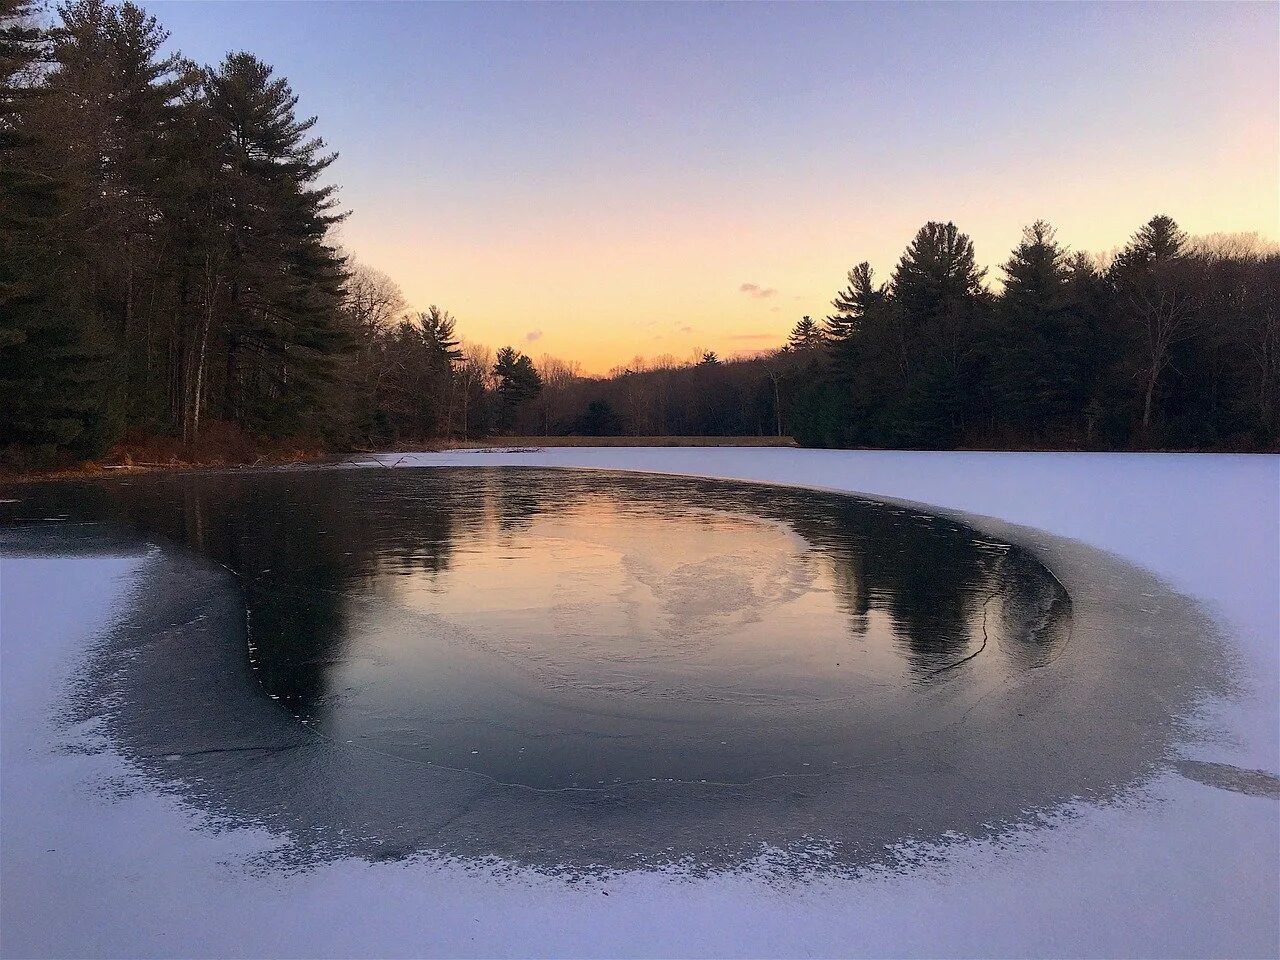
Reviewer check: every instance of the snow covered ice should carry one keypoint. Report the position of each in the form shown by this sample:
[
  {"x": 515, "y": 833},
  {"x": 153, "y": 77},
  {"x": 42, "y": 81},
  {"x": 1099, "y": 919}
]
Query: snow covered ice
[{"x": 98, "y": 859}]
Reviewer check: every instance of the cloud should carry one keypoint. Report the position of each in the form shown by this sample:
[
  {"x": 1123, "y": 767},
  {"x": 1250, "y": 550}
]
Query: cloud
[
  {"x": 752, "y": 336},
  {"x": 757, "y": 291},
  {"x": 533, "y": 335},
  {"x": 686, "y": 329}
]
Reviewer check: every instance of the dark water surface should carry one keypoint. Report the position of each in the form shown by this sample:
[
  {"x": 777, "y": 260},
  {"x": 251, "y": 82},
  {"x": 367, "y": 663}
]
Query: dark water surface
[{"x": 587, "y": 668}]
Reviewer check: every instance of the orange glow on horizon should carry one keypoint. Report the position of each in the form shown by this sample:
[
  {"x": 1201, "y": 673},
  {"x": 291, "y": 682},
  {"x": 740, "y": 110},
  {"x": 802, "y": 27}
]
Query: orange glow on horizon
[{"x": 640, "y": 242}]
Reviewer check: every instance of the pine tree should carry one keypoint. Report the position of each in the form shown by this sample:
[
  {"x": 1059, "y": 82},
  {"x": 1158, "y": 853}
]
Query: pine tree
[
  {"x": 51, "y": 374},
  {"x": 437, "y": 328},
  {"x": 1036, "y": 337},
  {"x": 806, "y": 335},
  {"x": 709, "y": 359},
  {"x": 113, "y": 98},
  {"x": 1156, "y": 294},
  {"x": 517, "y": 383},
  {"x": 941, "y": 304},
  {"x": 861, "y": 297},
  {"x": 279, "y": 289},
  {"x": 429, "y": 352},
  {"x": 599, "y": 420},
  {"x": 1158, "y": 241},
  {"x": 937, "y": 281}
]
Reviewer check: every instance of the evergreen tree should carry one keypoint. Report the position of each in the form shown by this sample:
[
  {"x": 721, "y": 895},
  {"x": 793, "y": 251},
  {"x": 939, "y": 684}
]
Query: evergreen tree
[
  {"x": 861, "y": 297},
  {"x": 1036, "y": 348},
  {"x": 437, "y": 327},
  {"x": 1105, "y": 393},
  {"x": 866, "y": 350},
  {"x": 114, "y": 98},
  {"x": 1156, "y": 298},
  {"x": 599, "y": 420},
  {"x": 427, "y": 357},
  {"x": 941, "y": 305},
  {"x": 517, "y": 383},
  {"x": 806, "y": 335},
  {"x": 51, "y": 374},
  {"x": 280, "y": 287},
  {"x": 709, "y": 359},
  {"x": 164, "y": 239}
]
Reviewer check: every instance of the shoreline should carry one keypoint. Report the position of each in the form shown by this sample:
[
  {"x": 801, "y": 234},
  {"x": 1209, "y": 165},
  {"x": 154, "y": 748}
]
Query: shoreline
[{"x": 128, "y": 466}]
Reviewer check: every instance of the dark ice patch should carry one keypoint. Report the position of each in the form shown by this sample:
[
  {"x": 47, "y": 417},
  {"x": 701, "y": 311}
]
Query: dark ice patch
[{"x": 1224, "y": 776}]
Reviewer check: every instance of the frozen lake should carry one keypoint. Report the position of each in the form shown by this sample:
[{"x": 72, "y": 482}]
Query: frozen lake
[{"x": 586, "y": 672}]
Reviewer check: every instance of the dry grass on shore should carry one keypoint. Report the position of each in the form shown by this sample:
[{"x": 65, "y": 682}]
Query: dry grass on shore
[
  {"x": 221, "y": 445},
  {"x": 224, "y": 447}
]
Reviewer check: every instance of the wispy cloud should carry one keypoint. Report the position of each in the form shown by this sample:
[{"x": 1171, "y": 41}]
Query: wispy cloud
[
  {"x": 533, "y": 335},
  {"x": 686, "y": 329},
  {"x": 757, "y": 291}
]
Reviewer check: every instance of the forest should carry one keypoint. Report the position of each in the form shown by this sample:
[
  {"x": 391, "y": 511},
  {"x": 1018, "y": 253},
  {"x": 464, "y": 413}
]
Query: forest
[{"x": 169, "y": 268}]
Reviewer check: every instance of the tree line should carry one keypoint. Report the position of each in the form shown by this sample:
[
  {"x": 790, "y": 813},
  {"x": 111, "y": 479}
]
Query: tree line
[
  {"x": 167, "y": 259},
  {"x": 168, "y": 265},
  {"x": 1169, "y": 341}
]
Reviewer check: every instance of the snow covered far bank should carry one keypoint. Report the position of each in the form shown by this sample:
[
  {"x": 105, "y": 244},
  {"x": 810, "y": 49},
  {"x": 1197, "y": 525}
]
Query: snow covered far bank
[{"x": 88, "y": 871}]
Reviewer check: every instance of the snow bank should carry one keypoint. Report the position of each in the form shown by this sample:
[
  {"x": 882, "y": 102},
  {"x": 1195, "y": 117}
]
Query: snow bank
[{"x": 95, "y": 863}]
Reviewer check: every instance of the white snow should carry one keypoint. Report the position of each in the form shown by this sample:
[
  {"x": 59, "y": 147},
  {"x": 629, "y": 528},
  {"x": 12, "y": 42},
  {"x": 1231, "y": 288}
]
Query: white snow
[{"x": 94, "y": 863}]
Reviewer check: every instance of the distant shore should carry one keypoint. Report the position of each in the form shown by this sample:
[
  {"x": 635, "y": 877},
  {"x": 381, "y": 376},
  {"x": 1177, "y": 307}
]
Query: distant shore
[
  {"x": 617, "y": 442},
  {"x": 171, "y": 455},
  {"x": 148, "y": 457}
]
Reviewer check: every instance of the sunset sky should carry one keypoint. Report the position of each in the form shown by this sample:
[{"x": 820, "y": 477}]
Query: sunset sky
[{"x": 601, "y": 181}]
